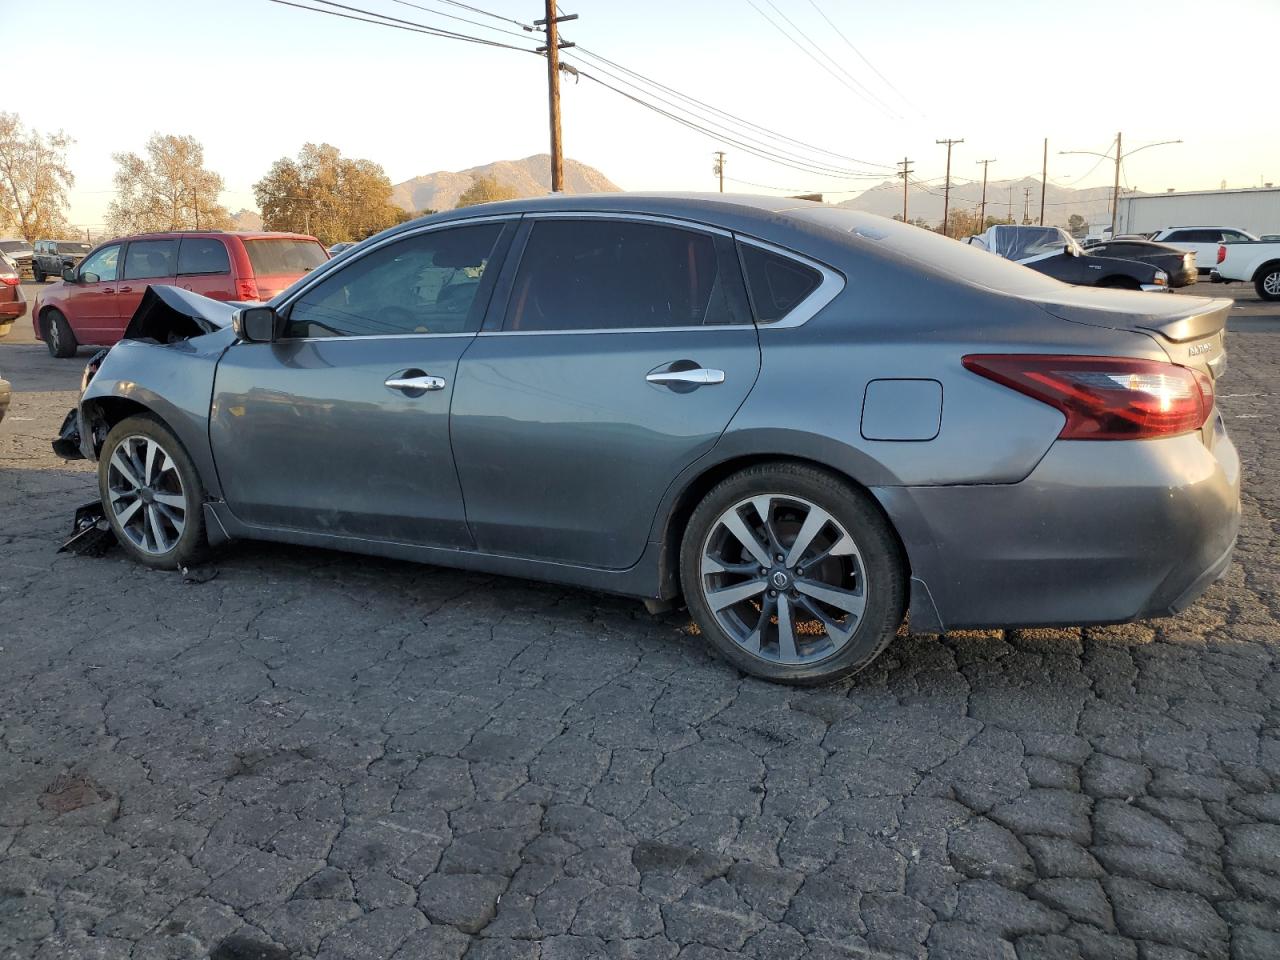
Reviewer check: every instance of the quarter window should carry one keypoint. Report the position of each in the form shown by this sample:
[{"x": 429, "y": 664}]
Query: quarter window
[
  {"x": 149, "y": 259},
  {"x": 422, "y": 284},
  {"x": 101, "y": 266},
  {"x": 597, "y": 274},
  {"x": 202, "y": 255},
  {"x": 777, "y": 283}
]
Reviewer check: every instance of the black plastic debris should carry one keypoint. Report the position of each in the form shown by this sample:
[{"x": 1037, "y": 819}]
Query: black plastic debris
[
  {"x": 67, "y": 446},
  {"x": 91, "y": 535},
  {"x": 199, "y": 575}
]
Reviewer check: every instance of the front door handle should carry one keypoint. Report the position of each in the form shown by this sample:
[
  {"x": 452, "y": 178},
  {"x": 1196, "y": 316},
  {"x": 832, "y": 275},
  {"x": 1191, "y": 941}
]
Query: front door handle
[
  {"x": 698, "y": 375},
  {"x": 415, "y": 385},
  {"x": 126, "y": 290}
]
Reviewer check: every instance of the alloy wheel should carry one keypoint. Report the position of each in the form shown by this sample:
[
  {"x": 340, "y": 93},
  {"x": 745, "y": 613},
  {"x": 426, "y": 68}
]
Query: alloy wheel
[
  {"x": 1271, "y": 284},
  {"x": 51, "y": 332},
  {"x": 146, "y": 495},
  {"x": 784, "y": 579}
]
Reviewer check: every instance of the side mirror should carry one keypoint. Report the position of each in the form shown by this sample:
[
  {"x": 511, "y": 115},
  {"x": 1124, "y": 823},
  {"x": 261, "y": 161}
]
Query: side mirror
[
  {"x": 69, "y": 274},
  {"x": 255, "y": 324}
]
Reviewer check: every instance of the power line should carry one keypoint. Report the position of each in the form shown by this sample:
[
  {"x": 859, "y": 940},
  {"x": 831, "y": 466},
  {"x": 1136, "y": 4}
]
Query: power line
[
  {"x": 452, "y": 16},
  {"x": 406, "y": 25},
  {"x": 805, "y": 50},
  {"x": 841, "y": 35}
]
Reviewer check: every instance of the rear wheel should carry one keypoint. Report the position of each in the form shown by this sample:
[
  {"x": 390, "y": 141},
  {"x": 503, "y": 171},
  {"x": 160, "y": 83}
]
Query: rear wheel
[
  {"x": 1120, "y": 283},
  {"x": 58, "y": 335},
  {"x": 793, "y": 574},
  {"x": 152, "y": 494},
  {"x": 1267, "y": 282}
]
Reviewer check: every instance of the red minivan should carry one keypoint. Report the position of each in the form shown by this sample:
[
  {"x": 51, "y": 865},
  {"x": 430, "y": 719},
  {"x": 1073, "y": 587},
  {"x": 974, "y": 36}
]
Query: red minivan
[{"x": 95, "y": 306}]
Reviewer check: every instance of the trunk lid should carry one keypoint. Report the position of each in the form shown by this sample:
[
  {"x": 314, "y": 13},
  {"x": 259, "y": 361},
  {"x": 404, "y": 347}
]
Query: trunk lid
[{"x": 1192, "y": 330}]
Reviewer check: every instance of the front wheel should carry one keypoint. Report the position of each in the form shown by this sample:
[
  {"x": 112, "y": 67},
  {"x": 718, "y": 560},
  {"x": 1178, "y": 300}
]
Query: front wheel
[
  {"x": 1121, "y": 283},
  {"x": 1267, "y": 282},
  {"x": 793, "y": 574},
  {"x": 152, "y": 494},
  {"x": 37, "y": 274}
]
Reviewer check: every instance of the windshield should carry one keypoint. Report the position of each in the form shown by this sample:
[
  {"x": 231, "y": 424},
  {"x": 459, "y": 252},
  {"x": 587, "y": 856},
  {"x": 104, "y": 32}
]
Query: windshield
[
  {"x": 70, "y": 246},
  {"x": 14, "y": 246},
  {"x": 271, "y": 258},
  {"x": 1021, "y": 243}
]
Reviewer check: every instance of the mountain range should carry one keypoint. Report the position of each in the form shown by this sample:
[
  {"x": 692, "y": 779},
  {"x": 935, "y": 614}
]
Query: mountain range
[
  {"x": 530, "y": 177},
  {"x": 1004, "y": 198}
]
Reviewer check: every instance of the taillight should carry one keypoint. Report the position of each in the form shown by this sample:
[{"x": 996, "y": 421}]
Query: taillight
[
  {"x": 11, "y": 281},
  {"x": 1222, "y": 252},
  {"x": 1106, "y": 398},
  {"x": 247, "y": 289}
]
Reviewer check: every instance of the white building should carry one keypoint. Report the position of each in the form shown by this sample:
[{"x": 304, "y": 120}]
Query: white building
[{"x": 1256, "y": 209}]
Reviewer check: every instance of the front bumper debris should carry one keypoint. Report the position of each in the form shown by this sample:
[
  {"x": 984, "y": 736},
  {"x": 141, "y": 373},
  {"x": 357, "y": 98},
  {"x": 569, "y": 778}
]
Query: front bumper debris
[
  {"x": 67, "y": 444},
  {"x": 91, "y": 535}
]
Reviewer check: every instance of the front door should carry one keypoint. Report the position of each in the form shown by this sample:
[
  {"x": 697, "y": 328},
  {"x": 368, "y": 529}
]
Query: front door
[
  {"x": 625, "y": 348},
  {"x": 342, "y": 425},
  {"x": 91, "y": 304}
]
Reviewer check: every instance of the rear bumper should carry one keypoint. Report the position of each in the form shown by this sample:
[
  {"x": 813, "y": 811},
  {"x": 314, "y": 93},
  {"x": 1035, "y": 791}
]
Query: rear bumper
[
  {"x": 5, "y": 393},
  {"x": 11, "y": 310},
  {"x": 1100, "y": 532}
]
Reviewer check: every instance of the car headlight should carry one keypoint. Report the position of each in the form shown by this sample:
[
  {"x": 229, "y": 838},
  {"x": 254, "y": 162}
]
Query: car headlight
[{"x": 1162, "y": 279}]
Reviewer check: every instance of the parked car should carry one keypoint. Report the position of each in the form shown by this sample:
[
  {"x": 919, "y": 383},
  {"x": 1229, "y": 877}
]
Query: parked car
[
  {"x": 19, "y": 251},
  {"x": 12, "y": 303},
  {"x": 1202, "y": 241},
  {"x": 1180, "y": 265},
  {"x": 1257, "y": 263},
  {"x": 51, "y": 257},
  {"x": 94, "y": 303},
  {"x": 737, "y": 400},
  {"x": 1270, "y": 237},
  {"x": 1055, "y": 253},
  {"x": 337, "y": 248}
]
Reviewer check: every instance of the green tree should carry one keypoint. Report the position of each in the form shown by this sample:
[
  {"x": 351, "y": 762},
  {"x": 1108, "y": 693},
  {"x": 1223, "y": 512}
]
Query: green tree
[
  {"x": 168, "y": 189},
  {"x": 327, "y": 195},
  {"x": 34, "y": 179},
  {"x": 485, "y": 190},
  {"x": 1076, "y": 225}
]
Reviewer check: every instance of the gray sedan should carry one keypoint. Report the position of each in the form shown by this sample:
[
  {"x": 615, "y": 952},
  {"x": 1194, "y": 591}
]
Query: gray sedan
[{"x": 806, "y": 422}]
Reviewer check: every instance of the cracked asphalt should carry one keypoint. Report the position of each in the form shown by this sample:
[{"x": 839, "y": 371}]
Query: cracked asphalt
[{"x": 315, "y": 755}]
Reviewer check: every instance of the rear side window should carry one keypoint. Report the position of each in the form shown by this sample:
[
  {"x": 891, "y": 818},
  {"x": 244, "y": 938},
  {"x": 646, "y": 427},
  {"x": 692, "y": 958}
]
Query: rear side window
[
  {"x": 777, "y": 283},
  {"x": 272, "y": 258},
  {"x": 200, "y": 255},
  {"x": 148, "y": 259},
  {"x": 596, "y": 274}
]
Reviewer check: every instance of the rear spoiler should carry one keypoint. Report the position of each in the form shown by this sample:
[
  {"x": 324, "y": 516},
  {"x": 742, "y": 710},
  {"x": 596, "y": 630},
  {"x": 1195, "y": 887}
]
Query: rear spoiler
[{"x": 1175, "y": 317}]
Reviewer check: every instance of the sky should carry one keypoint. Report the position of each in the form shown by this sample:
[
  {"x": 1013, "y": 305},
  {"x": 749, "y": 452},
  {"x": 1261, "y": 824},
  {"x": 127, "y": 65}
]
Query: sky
[{"x": 254, "y": 80}]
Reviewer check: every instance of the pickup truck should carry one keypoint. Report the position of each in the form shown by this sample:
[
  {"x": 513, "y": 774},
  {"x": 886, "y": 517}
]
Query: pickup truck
[{"x": 1256, "y": 261}]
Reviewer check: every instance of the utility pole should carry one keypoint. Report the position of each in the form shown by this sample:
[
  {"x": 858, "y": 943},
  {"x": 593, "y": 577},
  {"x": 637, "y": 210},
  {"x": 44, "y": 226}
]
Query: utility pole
[
  {"x": 1011, "y": 202},
  {"x": 1026, "y": 205},
  {"x": 552, "y": 50},
  {"x": 982, "y": 215},
  {"x": 1115, "y": 191},
  {"x": 946, "y": 193},
  {"x": 906, "y": 180},
  {"x": 1044, "y": 178},
  {"x": 718, "y": 168}
]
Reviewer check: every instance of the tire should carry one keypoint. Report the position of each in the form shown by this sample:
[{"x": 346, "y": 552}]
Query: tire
[
  {"x": 162, "y": 527},
  {"x": 864, "y": 558},
  {"x": 1120, "y": 283},
  {"x": 58, "y": 335},
  {"x": 36, "y": 273},
  {"x": 1267, "y": 282}
]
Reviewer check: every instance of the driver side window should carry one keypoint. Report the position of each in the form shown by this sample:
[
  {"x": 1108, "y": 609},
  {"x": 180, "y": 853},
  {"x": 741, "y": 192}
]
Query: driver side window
[
  {"x": 419, "y": 285},
  {"x": 100, "y": 267}
]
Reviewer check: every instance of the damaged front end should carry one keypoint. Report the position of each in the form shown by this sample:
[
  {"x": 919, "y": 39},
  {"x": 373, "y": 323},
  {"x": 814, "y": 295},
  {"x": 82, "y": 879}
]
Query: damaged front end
[{"x": 166, "y": 316}]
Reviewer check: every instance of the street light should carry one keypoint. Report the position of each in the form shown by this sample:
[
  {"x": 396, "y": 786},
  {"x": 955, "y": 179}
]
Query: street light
[{"x": 1118, "y": 158}]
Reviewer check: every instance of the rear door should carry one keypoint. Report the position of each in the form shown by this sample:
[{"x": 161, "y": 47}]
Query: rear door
[
  {"x": 617, "y": 352},
  {"x": 276, "y": 262},
  {"x": 204, "y": 267},
  {"x": 146, "y": 263}
]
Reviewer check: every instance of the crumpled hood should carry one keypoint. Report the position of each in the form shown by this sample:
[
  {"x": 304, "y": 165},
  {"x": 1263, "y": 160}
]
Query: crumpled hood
[
  {"x": 168, "y": 314},
  {"x": 1173, "y": 316}
]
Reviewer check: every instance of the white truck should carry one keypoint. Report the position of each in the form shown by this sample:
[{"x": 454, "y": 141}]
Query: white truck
[{"x": 1255, "y": 261}]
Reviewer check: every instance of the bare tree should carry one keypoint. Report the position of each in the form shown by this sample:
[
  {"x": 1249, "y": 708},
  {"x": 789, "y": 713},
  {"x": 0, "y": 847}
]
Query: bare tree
[
  {"x": 168, "y": 189},
  {"x": 35, "y": 179}
]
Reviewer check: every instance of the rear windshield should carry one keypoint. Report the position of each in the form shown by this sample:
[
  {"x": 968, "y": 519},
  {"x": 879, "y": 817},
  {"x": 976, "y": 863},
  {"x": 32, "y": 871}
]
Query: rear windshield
[
  {"x": 72, "y": 247},
  {"x": 15, "y": 246},
  {"x": 271, "y": 257}
]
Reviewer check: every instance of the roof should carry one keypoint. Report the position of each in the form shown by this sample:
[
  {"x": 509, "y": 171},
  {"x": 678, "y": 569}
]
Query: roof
[{"x": 242, "y": 234}]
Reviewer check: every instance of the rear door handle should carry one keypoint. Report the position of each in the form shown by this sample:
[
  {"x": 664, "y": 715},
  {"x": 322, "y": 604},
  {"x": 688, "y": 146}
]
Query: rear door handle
[
  {"x": 414, "y": 385},
  {"x": 125, "y": 290},
  {"x": 698, "y": 375}
]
